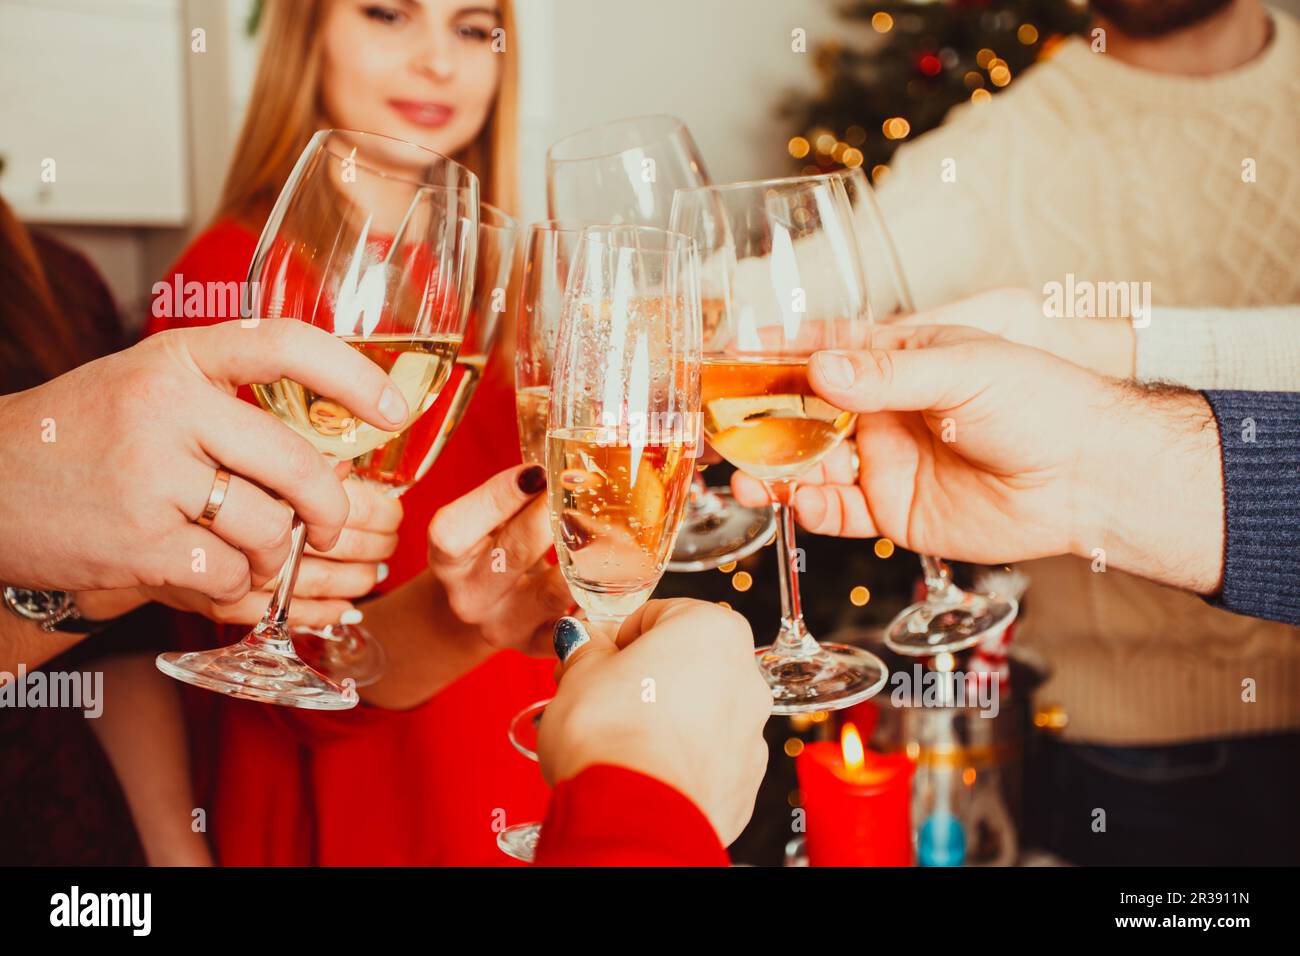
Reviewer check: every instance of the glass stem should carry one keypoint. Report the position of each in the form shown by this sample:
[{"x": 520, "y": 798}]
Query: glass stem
[
  {"x": 794, "y": 637},
  {"x": 938, "y": 581},
  {"x": 272, "y": 632},
  {"x": 606, "y": 626},
  {"x": 703, "y": 501}
]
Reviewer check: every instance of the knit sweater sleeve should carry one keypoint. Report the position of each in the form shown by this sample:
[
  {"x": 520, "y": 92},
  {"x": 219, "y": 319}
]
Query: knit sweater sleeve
[
  {"x": 1254, "y": 349},
  {"x": 941, "y": 203},
  {"x": 1260, "y": 436}
]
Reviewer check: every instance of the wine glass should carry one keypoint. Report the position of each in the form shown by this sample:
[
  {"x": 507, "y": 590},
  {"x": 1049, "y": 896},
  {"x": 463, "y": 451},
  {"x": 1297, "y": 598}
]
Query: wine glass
[
  {"x": 622, "y": 427},
  {"x": 781, "y": 278},
  {"x": 549, "y": 248},
  {"x": 626, "y": 172},
  {"x": 949, "y": 619},
  {"x": 374, "y": 240},
  {"x": 349, "y": 650}
]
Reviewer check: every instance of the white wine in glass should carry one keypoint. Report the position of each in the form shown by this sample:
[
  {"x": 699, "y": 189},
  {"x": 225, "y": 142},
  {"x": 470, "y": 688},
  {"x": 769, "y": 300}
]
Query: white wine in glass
[
  {"x": 549, "y": 248},
  {"x": 780, "y": 270},
  {"x": 419, "y": 366},
  {"x": 763, "y": 416},
  {"x": 349, "y": 651},
  {"x": 626, "y": 172},
  {"x": 615, "y": 508},
  {"x": 621, "y": 430},
  {"x": 373, "y": 240}
]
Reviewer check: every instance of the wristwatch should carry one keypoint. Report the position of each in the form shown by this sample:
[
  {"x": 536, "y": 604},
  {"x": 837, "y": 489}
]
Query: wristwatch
[{"x": 52, "y": 610}]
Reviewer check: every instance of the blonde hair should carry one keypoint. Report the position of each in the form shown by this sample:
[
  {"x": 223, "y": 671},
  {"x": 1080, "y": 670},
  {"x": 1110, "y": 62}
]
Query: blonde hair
[{"x": 285, "y": 111}]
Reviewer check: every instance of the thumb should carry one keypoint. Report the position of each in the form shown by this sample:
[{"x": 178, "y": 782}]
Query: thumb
[
  {"x": 578, "y": 646},
  {"x": 889, "y": 379}
]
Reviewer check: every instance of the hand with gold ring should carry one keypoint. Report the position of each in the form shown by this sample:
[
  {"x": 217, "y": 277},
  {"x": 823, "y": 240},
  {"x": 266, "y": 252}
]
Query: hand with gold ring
[
  {"x": 329, "y": 582},
  {"x": 108, "y": 468}
]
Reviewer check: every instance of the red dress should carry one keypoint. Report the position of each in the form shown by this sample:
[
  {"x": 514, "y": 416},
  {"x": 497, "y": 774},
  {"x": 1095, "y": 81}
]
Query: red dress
[{"x": 428, "y": 786}]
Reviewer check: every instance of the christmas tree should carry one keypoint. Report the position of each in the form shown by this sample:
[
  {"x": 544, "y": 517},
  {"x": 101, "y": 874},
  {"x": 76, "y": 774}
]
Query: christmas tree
[{"x": 916, "y": 62}]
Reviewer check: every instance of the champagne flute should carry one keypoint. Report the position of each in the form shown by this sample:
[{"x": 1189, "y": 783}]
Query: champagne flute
[
  {"x": 549, "y": 250},
  {"x": 949, "y": 619},
  {"x": 374, "y": 240},
  {"x": 626, "y": 172},
  {"x": 622, "y": 428},
  {"x": 780, "y": 269},
  {"x": 349, "y": 650}
]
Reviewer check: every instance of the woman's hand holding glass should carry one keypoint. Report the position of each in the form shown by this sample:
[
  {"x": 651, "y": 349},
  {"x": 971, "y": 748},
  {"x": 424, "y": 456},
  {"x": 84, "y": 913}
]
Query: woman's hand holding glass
[
  {"x": 488, "y": 551},
  {"x": 702, "y": 735}
]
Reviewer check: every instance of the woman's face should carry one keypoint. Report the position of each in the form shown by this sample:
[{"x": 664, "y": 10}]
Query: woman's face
[{"x": 417, "y": 70}]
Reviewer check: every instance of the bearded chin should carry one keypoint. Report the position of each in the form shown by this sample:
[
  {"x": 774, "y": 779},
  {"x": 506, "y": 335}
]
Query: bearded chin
[{"x": 1155, "y": 18}]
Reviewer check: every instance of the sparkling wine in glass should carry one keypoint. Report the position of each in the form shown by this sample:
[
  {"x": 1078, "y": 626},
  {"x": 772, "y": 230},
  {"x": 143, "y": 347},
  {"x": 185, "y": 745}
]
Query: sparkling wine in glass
[
  {"x": 373, "y": 240},
  {"x": 780, "y": 270},
  {"x": 348, "y": 650},
  {"x": 622, "y": 428},
  {"x": 549, "y": 247},
  {"x": 949, "y": 619},
  {"x": 626, "y": 172}
]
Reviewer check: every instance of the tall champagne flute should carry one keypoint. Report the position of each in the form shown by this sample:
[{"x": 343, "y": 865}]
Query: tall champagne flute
[
  {"x": 780, "y": 279},
  {"x": 626, "y": 172},
  {"x": 622, "y": 426},
  {"x": 349, "y": 650},
  {"x": 373, "y": 240},
  {"x": 549, "y": 250},
  {"x": 949, "y": 619}
]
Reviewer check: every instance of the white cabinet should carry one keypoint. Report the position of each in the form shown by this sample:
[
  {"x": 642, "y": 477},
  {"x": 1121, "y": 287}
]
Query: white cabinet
[{"x": 92, "y": 95}]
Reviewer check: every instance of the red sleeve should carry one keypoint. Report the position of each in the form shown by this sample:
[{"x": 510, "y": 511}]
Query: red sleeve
[{"x": 613, "y": 816}]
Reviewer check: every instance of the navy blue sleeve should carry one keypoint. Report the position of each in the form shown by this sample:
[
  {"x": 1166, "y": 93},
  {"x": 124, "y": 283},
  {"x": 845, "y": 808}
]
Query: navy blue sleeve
[{"x": 1260, "y": 436}]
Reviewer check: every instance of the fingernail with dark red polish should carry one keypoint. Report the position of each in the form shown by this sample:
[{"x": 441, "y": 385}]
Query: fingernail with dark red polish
[{"x": 532, "y": 480}]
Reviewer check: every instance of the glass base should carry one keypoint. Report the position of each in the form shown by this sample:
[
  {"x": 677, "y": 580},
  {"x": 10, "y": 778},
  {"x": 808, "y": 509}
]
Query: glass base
[
  {"x": 261, "y": 670},
  {"x": 833, "y": 677},
  {"x": 341, "y": 651},
  {"x": 520, "y": 841},
  {"x": 926, "y": 629},
  {"x": 524, "y": 727},
  {"x": 716, "y": 531}
]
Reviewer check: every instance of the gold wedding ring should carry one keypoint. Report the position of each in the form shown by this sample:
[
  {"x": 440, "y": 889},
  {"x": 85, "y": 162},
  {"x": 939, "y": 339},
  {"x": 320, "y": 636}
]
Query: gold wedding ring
[{"x": 216, "y": 498}]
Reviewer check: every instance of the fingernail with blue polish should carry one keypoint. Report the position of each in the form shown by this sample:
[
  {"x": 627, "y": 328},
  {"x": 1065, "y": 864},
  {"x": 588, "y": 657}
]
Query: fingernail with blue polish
[
  {"x": 381, "y": 572},
  {"x": 570, "y": 634}
]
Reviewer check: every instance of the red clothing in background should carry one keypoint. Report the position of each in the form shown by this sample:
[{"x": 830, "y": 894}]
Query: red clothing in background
[{"x": 369, "y": 786}]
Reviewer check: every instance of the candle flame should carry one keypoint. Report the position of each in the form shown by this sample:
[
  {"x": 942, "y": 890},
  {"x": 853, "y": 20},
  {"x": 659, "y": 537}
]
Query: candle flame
[{"x": 854, "y": 754}]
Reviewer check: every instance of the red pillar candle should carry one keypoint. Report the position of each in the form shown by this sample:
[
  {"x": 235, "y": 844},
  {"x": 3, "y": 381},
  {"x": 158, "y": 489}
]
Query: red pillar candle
[{"x": 857, "y": 804}]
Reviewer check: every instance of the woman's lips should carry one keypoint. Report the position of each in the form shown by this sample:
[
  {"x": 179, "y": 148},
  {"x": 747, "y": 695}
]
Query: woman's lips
[{"x": 428, "y": 115}]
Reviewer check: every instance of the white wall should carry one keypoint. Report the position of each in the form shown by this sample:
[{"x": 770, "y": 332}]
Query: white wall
[
  {"x": 720, "y": 65},
  {"x": 215, "y": 86}
]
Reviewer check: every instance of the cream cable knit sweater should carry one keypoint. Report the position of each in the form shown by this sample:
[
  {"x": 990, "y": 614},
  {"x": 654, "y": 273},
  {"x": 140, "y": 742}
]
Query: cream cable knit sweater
[{"x": 1087, "y": 169}]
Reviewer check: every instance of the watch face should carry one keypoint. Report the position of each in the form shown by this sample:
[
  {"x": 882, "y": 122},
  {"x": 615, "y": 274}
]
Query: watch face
[{"x": 36, "y": 605}]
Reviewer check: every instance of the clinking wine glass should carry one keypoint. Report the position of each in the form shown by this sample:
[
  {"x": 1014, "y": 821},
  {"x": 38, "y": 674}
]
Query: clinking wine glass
[
  {"x": 549, "y": 248},
  {"x": 622, "y": 428},
  {"x": 949, "y": 619},
  {"x": 626, "y": 172},
  {"x": 348, "y": 650},
  {"x": 780, "y": 279},
  {"x": 373, "y": 240}
]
